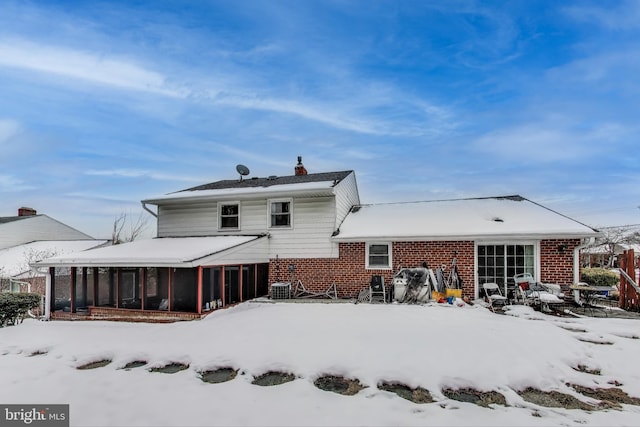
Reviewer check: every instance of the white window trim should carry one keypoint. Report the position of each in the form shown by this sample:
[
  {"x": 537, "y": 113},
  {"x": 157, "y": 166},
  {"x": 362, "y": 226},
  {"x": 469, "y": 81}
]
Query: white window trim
[
  {"x": 378, "y": 267},
  {"x": 536, "y": 256},
  {"x": 280, "y": 227},
  {"x": 220, "y": 227}
]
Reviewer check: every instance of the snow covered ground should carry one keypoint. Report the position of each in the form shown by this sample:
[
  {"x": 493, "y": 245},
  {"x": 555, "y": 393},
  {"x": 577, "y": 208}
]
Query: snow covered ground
[{"x": 435, "y": 346}]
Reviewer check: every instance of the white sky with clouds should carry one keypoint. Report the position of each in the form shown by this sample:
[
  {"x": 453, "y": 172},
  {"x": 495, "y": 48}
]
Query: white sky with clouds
[{"x": 107, "y": 103}]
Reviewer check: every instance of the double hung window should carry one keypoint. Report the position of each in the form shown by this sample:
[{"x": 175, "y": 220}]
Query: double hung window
[
  {"x": 280, "y": 213},
  {"x": 229, "y": 216},
  {"x": 378, "y": 255}
]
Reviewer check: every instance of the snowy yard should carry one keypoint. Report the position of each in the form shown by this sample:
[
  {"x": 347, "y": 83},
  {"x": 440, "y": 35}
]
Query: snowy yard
[{"x": 437, "y": 347}]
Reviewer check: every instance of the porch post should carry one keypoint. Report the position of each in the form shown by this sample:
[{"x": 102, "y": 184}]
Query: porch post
[
  {"x": 84, "y": 286},
  {"x": 96, "y": 290},
  {"x": 169, "y": 289},
  {"x": 255, "y": 280},
  {"x": 222, "y": 292},
  {"x": 72, "y": 288},
  {"x": 118, "y": 276},
  {"x": 199, "y": 297},
  {"x": 240, "y": 280},
  {"x": 143, "y": 278}
]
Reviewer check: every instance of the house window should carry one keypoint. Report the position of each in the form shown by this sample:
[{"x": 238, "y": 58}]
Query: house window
[
  {"x": 379, "y": 255},
  {"x": 499, "y": 263},
  {"x": 280, "y": 213},
  {"x": 229, "y": 216}
]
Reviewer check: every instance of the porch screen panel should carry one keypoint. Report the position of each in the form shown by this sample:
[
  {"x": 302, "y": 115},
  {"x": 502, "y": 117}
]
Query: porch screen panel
[
  {"x": 62, "y": 292},
  {"x": 211, "y": 291},
  {"x": 90, "y": 277},
  {"x": 106, "y": 284},
  {"x": 161, "y": 300},
  {"x": 184, "y": 286},
  {"x": 248, "y": 283},
  {"x": 263, "y": 280},
  {"x": 232, "y": 284},
  {"x": 81, "y": 290},
  {"x": 130, "y": 288}
]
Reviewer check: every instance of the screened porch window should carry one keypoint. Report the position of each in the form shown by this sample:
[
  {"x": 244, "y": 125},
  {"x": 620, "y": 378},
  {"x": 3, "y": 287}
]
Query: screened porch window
[
  {"x": 379, "y": 255},
  {"x": 499, "y": 263}
]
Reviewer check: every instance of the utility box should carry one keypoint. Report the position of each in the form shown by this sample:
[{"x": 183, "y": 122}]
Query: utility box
[{"x": 281, "y": 290}]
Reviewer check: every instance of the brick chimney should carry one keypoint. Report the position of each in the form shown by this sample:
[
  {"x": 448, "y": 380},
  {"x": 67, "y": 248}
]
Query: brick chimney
[
  {"x": 24, "y": 211},
  {"x": 300, "y": 170}
]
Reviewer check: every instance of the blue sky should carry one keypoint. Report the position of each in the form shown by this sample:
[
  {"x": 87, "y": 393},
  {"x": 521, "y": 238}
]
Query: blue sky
[{"x": 106, "y": 103}]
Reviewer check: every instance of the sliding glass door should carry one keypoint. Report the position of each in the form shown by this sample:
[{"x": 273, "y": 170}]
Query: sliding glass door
[{"x": 499, "y": 263}]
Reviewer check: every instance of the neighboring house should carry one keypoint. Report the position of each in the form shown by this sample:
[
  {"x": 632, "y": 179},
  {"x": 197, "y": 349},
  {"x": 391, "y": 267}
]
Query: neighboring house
[
  {"x": 30, "y": 237},
  {"x": 29, "y": 226},
  {"x": 229, "y": 240},
  {"x": 16, "y": 275},
  {"x": 606, "y": 254}
]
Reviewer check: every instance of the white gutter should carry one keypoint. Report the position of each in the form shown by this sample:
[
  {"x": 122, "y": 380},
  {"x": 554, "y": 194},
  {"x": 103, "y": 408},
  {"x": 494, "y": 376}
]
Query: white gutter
[
  {"x": 576, "y": 257},
  {"x": 144, "y": 206}
]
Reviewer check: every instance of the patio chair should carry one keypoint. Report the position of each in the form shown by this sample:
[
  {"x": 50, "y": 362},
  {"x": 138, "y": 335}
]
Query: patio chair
[
  {"x": 494, "y": 296},
  {"x": 377, "y": 291},
  {"x": 535, "y": 294}
]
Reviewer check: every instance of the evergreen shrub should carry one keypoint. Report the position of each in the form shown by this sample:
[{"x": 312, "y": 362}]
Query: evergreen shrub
[
  {"x": 15, "y": 306},
  {"x": 599, "y": 277}
]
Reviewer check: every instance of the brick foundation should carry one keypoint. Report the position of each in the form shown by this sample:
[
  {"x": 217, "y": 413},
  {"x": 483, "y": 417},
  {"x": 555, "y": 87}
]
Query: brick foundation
[{"x": 121, "y": 314}]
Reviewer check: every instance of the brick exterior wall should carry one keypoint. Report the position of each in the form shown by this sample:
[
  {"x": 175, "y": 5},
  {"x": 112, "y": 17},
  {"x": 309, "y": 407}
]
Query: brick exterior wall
[
  {"x": 348, "y": 271},
  {"x": 555, "y": 266}
]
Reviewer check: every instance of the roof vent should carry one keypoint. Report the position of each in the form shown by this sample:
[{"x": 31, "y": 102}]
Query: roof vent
[{"x": 497, "y": 219}]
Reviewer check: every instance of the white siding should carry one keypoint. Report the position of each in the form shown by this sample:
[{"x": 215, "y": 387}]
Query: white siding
[
  {"x": 188, "y": 219},
  {"x": 36, "y": 228},
  {"x": 314, "y": 221},
  {"x": 346, "y": 197}
]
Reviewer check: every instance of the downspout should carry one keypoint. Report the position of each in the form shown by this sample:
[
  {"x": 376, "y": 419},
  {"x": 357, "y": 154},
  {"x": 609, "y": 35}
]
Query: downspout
[
  {"x": 144, "y": 206},
  {"x": 576, "y": 257}
]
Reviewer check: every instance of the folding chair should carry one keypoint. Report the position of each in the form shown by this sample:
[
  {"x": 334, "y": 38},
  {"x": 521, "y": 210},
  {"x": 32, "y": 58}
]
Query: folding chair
[
  {"x": 494, "y": 296},
  {"x": 377, "y": 291}
]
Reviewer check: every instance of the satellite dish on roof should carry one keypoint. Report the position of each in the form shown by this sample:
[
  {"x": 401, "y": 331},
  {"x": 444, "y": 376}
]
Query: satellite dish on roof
[{"x": 242, "y": 170}]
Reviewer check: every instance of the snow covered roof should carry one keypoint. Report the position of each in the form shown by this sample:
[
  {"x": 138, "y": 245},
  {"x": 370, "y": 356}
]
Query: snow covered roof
[
  {"x": 318, "y": 184},
  {"x": 480, "y": 218},
  {"x": 14, "y": 261},
  {"x": 18, "y": 230},
  {"x": 159, "y": 252}
]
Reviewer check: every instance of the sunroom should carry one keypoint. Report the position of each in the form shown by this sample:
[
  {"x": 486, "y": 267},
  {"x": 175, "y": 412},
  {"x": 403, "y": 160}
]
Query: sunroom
[{"x": 163, "y": 278}]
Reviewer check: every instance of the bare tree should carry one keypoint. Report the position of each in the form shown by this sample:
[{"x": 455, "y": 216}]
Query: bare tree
[
  {"x": 126, "y": 229},
  {"x": 613, "y": 236}
]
